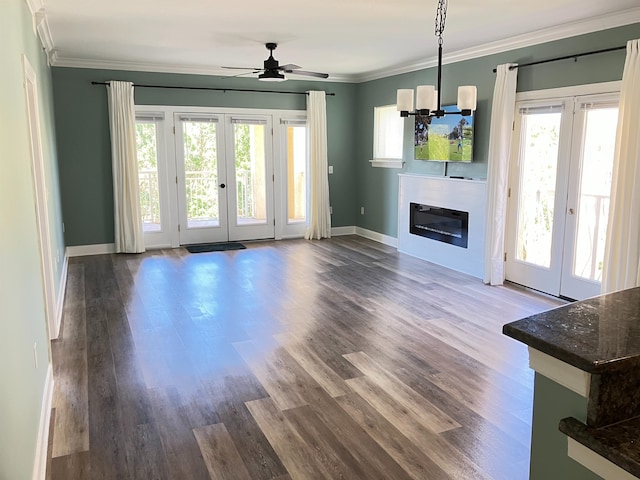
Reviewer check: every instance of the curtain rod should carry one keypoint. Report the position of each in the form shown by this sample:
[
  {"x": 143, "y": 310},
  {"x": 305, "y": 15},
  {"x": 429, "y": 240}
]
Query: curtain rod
[
  {"x": 216, "y": 89},
  {"x": 567, "y": 57}
]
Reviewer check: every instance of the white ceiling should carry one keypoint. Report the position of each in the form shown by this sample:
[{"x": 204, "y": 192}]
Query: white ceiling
[{"x": 351, "y": 40}]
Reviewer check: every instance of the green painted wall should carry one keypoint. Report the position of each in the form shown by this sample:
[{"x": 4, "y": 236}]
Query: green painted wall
[
  {"x": 22, "y": 320},
  {"x": 551, "y": 403},
  {"x": 377, "y": 188},
  {"x": 83, "y": 134},
  {"x": 84, "y": 143}
]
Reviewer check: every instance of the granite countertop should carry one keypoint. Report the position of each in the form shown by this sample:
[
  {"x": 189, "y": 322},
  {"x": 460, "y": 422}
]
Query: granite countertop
[
  {"x": 598, "y": 335},
  {"x": 618, "y": 443}
]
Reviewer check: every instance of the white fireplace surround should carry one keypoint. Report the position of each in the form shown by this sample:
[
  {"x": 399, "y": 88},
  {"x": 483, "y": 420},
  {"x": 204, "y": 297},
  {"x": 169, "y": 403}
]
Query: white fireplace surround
[{"x": 456, "y": 194}]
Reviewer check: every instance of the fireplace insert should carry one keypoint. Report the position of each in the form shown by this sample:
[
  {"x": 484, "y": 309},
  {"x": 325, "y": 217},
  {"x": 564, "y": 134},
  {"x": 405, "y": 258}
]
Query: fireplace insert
[{"x": 441, "y": 224}]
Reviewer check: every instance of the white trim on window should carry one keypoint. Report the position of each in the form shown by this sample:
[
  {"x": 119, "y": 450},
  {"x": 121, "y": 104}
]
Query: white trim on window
[
  {"x": 388, "y": 137},
  {"x": 387, "y": 163}
]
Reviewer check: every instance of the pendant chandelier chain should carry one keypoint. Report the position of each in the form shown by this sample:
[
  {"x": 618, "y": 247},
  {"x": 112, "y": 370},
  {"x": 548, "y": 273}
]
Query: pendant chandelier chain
[
  {"x": 441, "y": 18},
  {"x": 429, "y": 97}
]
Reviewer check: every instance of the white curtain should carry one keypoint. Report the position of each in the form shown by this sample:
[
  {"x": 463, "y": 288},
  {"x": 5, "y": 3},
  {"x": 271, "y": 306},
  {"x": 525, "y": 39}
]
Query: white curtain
[
  {"x": 124, "y": 163},
  {"x": 502, "y": 113},
  {"x": 319, "y": 217},
  {"x": 622, "y": 248}
]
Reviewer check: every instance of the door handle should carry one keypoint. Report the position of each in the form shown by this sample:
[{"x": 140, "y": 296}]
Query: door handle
[
  {"x": 571, "y": 211},
  {"x": 222, "y": 185}
]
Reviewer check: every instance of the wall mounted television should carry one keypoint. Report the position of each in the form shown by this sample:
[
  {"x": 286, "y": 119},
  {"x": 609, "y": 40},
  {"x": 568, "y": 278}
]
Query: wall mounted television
[{"x": 444, "y": 139}]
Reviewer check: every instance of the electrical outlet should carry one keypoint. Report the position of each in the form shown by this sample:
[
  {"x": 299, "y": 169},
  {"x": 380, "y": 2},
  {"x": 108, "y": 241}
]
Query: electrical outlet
[
  {"x": 35, "y": 354},
  {"x": 330, "y": 169},
  {"x": 361, "y": 210}
]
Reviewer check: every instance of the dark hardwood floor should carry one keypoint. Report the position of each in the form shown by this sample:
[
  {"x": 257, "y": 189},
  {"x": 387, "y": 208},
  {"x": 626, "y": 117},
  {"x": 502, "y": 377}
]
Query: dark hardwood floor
[{"x": 333, "y": 359}]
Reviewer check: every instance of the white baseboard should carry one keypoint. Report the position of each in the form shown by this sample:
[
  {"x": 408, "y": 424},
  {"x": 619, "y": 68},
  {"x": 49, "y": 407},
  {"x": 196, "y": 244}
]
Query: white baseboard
[
  {"x": 104, "y": 248},
  {"x": 60, "y": 300},
  {"x": 40, "y": 460},
  {"x": 377, "y": 237},
  {"x": 338, "y": 231},
  {"x": 84, "y": 250}
]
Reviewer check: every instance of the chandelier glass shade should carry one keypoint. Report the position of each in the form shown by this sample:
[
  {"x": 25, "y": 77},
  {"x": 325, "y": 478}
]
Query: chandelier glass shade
[{"x": 427, "y": 97}]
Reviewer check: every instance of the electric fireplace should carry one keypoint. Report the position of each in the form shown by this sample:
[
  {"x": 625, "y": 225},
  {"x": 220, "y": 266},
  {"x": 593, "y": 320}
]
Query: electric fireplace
[{"x": 441, "y": 224}]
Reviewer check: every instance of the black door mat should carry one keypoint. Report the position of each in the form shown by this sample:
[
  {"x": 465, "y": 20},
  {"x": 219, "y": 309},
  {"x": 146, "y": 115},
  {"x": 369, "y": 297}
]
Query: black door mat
[{"x": 215, "y": 247}]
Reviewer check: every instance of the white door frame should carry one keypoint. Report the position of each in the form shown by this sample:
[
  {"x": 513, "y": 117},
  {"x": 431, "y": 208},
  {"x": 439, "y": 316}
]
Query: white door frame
[
  {"x": 546, "y": 279},
  {"x": 561, "y": 211},
  {"x": 238, "y": 231},
  {"x": 167, "y": 153},
  {"x": 207, "y": 234},
  {"x": 41, "y": 197}
]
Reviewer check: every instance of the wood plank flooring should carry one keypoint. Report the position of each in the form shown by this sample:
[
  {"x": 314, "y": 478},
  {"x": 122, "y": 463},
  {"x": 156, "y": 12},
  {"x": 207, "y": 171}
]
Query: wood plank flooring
[{"x": 333, "y": 359}]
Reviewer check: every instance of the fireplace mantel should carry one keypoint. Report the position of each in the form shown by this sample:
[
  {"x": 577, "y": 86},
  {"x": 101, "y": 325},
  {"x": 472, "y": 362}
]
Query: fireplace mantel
[{"x": 457, "y": 194}]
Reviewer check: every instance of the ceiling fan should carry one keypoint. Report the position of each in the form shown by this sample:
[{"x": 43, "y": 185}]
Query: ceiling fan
[{"x": 272, "y": 71}]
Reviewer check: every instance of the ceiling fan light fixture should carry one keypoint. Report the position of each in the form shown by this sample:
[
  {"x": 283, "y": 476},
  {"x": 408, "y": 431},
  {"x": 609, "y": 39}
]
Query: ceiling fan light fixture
[{"x": 271, "y": 76}]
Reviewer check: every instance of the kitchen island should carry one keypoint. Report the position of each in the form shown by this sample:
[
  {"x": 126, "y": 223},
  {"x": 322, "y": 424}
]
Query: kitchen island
[{"x": 587, "y": 388}]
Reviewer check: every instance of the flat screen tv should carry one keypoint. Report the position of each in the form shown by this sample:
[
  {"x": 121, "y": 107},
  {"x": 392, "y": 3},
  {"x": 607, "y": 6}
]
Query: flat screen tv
[{"x": 445, "y": 139}]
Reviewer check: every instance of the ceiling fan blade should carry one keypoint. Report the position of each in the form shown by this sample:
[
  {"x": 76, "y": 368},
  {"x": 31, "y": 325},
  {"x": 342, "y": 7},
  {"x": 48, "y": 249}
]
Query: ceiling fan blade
[
  {"x": 241, "y": 74},
  {"x": 257, "y": 69},
  {"x": 307, "y": 74},
  {"x": 289, "y": 66}
]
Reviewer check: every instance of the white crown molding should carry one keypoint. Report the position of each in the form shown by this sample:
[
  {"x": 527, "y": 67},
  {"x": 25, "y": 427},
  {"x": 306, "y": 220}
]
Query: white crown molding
[
  {"x": 34, "y": 6},
  {"x": 74, "y": 62},
  {"x": 41, "y": 28},
  {"x": 44, "y": 33},
  {"x": 582, "y": 27},
  {"x": 619, "y": 19},
  {"x": 53, "y": 57}
]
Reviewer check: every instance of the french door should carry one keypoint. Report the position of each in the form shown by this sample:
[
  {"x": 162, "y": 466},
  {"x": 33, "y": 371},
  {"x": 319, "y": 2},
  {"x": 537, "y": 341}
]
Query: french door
[
  {"x": 224, "y": 171},
  {"x": 210, "y": 175},
  {"x": 560, "y": 185}
]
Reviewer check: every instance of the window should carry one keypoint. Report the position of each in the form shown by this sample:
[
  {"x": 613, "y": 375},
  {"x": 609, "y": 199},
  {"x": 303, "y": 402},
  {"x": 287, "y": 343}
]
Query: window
[
  {"x": 146, "y": 142},
  {"x": 388, "y": 134},
  {"x": 296, "y": 135}
]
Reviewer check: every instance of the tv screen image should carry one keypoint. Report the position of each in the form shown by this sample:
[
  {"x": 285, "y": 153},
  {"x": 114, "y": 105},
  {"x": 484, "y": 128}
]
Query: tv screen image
[{"x": 444, "y": 139}]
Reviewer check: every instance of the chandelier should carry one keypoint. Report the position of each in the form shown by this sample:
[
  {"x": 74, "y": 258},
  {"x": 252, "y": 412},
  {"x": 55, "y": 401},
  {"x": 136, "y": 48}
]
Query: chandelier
[{"x": 428, "y": 96}]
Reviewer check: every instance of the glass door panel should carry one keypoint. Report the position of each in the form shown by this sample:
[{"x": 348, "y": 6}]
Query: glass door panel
[
  {"x": 201, "y": 181},
  {"x": 536, "y": 200},
  {"x": 296, "y": 173},
  {"x": 201, "y": 174},
  {"x": 147, "y": 153},
  {"x": 250, "y": 169},
  {"x": 250, "y": 165},
  {"x": 153, "y": 185},
  {"x": 536, "y": 225},
  {"x": 596, "y": 125}
]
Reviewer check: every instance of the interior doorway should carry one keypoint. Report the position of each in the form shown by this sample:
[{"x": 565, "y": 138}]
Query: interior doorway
[{"x": 41, "y": 197}]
